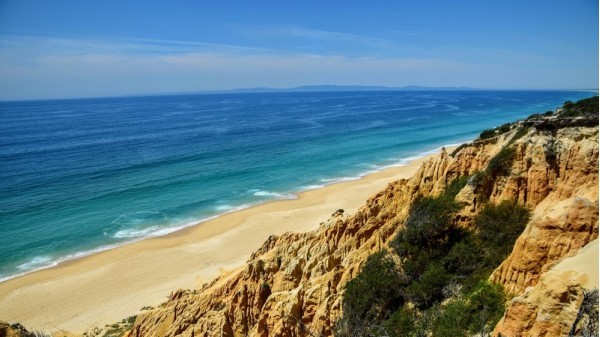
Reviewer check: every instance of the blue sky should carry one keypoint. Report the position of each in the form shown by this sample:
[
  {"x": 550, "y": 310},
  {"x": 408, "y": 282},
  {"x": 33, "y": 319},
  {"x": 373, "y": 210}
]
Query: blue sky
[{"x": 63, "y": 49}]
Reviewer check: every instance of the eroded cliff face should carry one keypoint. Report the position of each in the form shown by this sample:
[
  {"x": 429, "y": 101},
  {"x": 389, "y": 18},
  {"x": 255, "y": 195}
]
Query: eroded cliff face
[
  {"x": 565, "y": 220},
  {"x": 564, "y": 198},
  {"x": 549, "y": 308},
  {"x": 293, "y": 284}
]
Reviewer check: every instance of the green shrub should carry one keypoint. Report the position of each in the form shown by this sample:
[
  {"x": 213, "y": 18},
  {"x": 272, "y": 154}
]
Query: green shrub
[
  {"x": 428, "y": 225},
  {"x": 584, "y": 107},
  {"x": 476, "y": 179},
  {"x": 427, "y": 237},
  {"x": 374, "y": 292},
  {"x": 498, "y": 227},
  {"x": 501, "y": 163},
  {"x": 486, "y": 134},
  {"x": 428, "y": 288},
  {"x": 504, "y": 128},
  {"x": 453, "y": 320},
  {"x": 518, "y": 135},
  {"x": 418, "y": 261},
  {"x": 486, "y": 304},
  {"x": 474, "y": 314},
  {"x": 455, "y": 186},
  {"x": 401, "y": 323},
  {"x": 490, "y": 133},
  {"x": 265, "y": 292},
  {"x": 441, "y": 287},
  {"x": 464, "y": 257}
]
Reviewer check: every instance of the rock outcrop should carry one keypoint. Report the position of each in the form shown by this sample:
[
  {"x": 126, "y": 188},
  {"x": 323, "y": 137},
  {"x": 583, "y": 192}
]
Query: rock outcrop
[
  {"x": 565, "y": 198},
  {"x": 293, "y": 284},
  {"x": 550, "y": 307}
]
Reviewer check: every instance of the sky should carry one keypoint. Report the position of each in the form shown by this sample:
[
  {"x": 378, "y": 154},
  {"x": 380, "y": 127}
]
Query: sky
[{"x": 77, "y": 48}]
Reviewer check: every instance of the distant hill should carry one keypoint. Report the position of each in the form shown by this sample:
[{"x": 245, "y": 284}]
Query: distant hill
[{"x": 328, "y": 87}]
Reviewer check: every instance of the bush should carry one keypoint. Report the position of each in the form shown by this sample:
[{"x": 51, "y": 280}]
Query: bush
[
  {"x": 504, "y": 128},
  {"x": 440, "y": 263},
  {"x": 452, "y": 321},
  {"x": 455, "y": 186},
  {"x": 476, "y": 313},
  {"x": 498, "y": 227},
  {"x": 584, "y": 107},
  {"x": 401, "y": 323},
  {"x": 487, "y": 134},
  {"x": 518, "y": 135},
  {"x": 265, "y": 292},
  {"x": 476, "y": 179},
  {"x": 428, "y": 225},
  {"x": 490, "y": 133},
  {"x": 428, "y": 288},
  {"x": 428, "y": 236},
  {"x": 501, "y": 163},
  {"x": 464, "y": 258},
  {"x": 414, "y": 266},
  {"x": 486, "y": 307},
  {"x": 374, "y": 293}
]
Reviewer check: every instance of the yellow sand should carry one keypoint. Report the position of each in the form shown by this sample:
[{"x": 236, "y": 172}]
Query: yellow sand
[
  {"x": 584, "y": 265},
  {"x": 109, "y": 286}
]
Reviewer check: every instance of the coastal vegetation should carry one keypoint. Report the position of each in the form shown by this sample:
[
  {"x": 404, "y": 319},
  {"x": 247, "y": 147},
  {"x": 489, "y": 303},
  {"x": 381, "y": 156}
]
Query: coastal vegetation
[
  {"x": 581, "y": 113},
  {"x": 490, "y": 133},
  {"x": 433, "y": 280},
  {"x": 119, "y": 329},
  {"x": 584, "y": 107}
]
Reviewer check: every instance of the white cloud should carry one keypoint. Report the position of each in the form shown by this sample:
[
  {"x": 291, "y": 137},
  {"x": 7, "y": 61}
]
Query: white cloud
[
  {"x": 51, "y": 67},
  {"x": 314, "y": 34}
]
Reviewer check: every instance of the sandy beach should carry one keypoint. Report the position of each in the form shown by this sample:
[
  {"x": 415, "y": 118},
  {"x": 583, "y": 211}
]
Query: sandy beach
[{"x": 106, "y": 287}]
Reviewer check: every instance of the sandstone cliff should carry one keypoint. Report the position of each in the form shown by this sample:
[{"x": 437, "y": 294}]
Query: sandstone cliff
[{"x": 293, "y": 284}]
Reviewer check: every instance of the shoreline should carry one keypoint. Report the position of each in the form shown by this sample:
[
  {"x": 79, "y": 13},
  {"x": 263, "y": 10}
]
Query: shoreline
[
  {"x": 166, "y": 231},
  {"x": 107, "y": 286}
]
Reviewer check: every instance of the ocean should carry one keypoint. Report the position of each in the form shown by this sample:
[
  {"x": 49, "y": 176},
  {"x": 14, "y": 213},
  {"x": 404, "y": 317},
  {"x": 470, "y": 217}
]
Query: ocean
[{"x": 83, "y": 175}]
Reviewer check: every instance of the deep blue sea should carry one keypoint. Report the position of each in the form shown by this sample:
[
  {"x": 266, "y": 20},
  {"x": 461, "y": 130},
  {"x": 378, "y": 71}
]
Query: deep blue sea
[{"x": 83, "y": 175}]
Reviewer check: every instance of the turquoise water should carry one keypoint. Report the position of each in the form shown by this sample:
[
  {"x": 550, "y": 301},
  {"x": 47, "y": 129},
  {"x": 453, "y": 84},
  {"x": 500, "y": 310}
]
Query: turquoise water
[{"x": 79, "y": 176}]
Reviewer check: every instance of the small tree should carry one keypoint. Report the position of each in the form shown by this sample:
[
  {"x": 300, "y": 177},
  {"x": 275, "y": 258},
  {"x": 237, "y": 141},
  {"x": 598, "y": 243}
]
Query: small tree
[
  {"x": 498, "y": 227},
  {"x": 373, "y": 295}
]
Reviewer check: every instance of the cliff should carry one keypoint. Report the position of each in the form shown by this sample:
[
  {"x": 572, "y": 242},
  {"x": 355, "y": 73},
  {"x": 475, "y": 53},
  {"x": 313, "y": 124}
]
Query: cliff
[{"x": 293, "y": 285}]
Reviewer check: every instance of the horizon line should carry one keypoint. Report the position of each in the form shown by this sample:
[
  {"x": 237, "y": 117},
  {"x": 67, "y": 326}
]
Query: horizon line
[{"x": 299, "y": 89}]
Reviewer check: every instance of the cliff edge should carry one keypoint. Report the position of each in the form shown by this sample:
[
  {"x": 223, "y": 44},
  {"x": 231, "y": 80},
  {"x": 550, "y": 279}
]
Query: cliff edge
[{"x": 294, "y": 284}]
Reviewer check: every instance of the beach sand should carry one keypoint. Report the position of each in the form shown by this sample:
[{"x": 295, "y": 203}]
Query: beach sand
[{"x": 106, "y": 287}]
